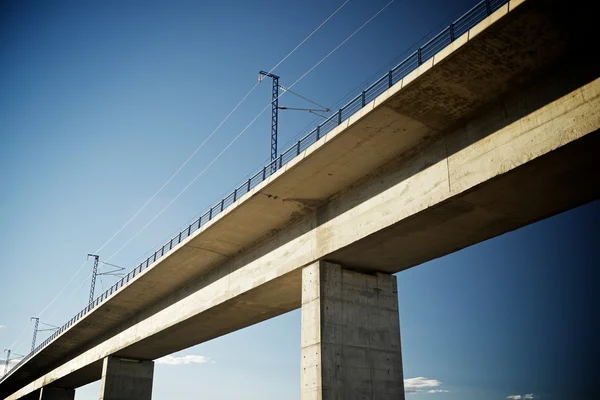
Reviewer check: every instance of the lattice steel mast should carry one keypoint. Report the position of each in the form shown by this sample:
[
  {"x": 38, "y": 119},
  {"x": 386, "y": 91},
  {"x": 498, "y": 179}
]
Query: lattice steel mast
[
  {"x": 7, "y": 351},
  {"x": 274, "y": 113},
  {"x": 94, "y": 274},
  {"x": 35, "y": 331}
]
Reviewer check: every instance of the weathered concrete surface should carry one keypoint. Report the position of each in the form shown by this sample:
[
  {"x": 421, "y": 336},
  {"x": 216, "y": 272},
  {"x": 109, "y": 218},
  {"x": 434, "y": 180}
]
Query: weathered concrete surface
[
  {"x": 390, "y": 188},
  {"x": 350, "y": 341},
  {"x": 57, "y": 394},
  {"x": 126, "y": 379}
]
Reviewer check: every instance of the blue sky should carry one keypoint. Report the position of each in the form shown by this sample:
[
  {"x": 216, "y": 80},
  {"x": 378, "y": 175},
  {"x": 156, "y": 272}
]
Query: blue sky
[{"x": 101, "y": 102}]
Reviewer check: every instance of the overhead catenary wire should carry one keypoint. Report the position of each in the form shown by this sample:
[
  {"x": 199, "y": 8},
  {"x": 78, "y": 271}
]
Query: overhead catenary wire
[
  {"x": 112, "y": 265},
  {"x": 342, "y": 43},
  {"x": 26, "y": 328},
  {"x": 18, "y": 339},
  {"x": 304, "y": 130},
  {"x": 83, "y": 282},
  {"x": 10, "y": 356},
  {"x": 374, "y": 75},
  {"x": 18, "y": 342},
  {"x": 62, "y": 291},
  {"x": 285, "y": 89},
  {"x": 66, "y": 301},
  {"x": 73, "y": 293},
  {"x": 310, "y": 110},
  {"x": 181, "y": 167},
  {"x": 218, "y": 127},
  {"x": 246, "y": 128},
  {"x": 49, "y": 325},
  {"x": 112, "y": 272}
]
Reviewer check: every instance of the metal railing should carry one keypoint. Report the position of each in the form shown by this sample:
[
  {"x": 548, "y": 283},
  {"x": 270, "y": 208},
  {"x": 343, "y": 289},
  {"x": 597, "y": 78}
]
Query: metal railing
[{"x": 412, "y": 62}]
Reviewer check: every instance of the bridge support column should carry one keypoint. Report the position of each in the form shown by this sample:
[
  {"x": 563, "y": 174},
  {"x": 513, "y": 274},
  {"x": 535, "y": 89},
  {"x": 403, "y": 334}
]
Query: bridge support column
[
  {"x": 350, "y": 335},
  {"x": 125, "y": 379},
  {"x": 57, "y": 394}
]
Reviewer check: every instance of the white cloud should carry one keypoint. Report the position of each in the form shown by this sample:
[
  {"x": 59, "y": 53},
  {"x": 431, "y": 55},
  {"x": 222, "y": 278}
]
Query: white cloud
[
  {"x": 2, "y": 326},
  {"x": 422, "y": 384},
  {"x": 521, "y": 397},
  {"x": 183, "y": 360}
]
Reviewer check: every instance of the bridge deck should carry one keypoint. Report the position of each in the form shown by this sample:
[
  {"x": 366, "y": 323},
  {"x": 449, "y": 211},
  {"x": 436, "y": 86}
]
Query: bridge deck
[{"x": 501, "y": 53}]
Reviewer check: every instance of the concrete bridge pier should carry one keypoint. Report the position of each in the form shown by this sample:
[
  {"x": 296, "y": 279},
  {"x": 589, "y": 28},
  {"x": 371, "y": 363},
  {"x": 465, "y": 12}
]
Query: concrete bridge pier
[
  {"x": 126, "y": 379},
  {"x": 350, "y": 335}
]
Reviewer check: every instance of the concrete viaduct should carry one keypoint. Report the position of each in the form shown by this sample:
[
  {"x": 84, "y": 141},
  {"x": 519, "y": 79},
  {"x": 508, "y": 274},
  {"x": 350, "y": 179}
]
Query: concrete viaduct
[{"x": 498, "y": 130}]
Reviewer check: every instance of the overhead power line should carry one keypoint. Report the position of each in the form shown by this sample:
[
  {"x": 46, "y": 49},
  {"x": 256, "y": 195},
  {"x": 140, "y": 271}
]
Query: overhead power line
[
  {"x": 285, "y": 89},
  {"x": 181, "y": 167},
  {"x": 71, "y": 296},
  {"x": 305, "y": 130},
  {"x": 245, "y": 129},
  {"x": 26, "y": 328},
  {"x": 216, "y": 129},
  {"x": 352, "y": 92}
]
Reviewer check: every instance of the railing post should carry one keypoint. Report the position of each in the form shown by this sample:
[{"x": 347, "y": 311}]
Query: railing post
[
  {"x": 234, "y": 195},
  {"x": 298, "y": 148},
  {"x": 180, "y": 237},
  {"x": 451, "y": 32},
  {"x": 339, "y": 116},
  {"x": 248, "y": 184},
  {"x": 419, "y": 56},
  {"x": 222, "y": 204},
  {"x": 210, "y": 214},
  {"x": 280, "y": 160},
  {"x": 189, "y": 230},
  {"x": 362, "y": 98},
  {"x": 265, "y": 173},
  {"x": 488, "y": 7},
  {"x": 390, "y": 79},
  {"x": 318, "y": 132}
]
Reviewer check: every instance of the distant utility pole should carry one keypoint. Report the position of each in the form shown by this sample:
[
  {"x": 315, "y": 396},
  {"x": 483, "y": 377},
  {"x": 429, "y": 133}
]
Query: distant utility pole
[
  {"x": 35, "y": 331},
  {"x": 7, "y": 351},
  {"x": 116, "y": 271},
  {"x": 8, "y": 359},
  {"x": 94, "y": 274},
  {"x": 274, "y": 113}
]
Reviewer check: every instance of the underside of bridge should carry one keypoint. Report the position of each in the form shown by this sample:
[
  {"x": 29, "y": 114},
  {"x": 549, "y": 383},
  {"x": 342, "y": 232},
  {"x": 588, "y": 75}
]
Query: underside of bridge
[{"x": 497, "y": 131}]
